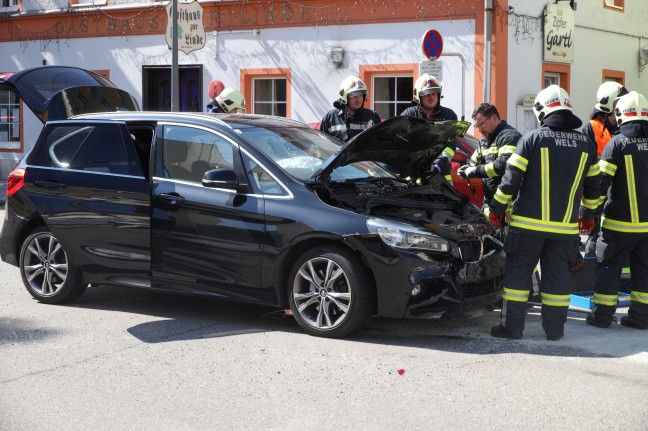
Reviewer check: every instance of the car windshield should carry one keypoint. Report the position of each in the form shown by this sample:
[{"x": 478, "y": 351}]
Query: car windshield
[{"x": 300, "y": 151}]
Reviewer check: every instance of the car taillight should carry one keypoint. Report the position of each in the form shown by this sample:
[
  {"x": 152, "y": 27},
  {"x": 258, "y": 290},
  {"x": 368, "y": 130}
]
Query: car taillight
[{"x": 15, "y": 181}]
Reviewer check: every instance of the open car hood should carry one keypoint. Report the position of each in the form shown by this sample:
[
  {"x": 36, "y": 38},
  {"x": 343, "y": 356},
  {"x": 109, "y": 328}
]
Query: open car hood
[
  {"x": 59, "y": 92},
  {"x": 407, "y": 144}
]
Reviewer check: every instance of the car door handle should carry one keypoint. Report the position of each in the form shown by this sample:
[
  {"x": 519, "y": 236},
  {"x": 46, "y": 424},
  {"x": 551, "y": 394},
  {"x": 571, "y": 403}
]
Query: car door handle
[
  {"x": 50, "y": 185},
  {"x": 172, "y": 198}
]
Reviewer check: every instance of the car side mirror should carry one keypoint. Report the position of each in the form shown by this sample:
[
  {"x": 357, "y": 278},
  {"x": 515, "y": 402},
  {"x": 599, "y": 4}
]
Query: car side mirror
[{"x": 221, "y": 179}]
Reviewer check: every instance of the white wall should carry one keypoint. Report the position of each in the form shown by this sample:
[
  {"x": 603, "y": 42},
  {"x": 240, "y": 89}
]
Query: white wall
[
  {"x": 315, "y": 81},
  {"x": 603, "y": 39}
]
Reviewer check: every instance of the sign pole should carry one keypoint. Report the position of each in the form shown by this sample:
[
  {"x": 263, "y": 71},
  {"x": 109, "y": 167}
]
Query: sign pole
[{"x": 174, "y": 57}]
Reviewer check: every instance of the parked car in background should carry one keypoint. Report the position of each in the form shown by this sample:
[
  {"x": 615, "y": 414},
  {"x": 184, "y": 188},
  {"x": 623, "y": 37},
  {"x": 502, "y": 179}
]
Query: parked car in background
[
  {"x": 242, "y": 207},
  {"x": 473, "y": 188}
]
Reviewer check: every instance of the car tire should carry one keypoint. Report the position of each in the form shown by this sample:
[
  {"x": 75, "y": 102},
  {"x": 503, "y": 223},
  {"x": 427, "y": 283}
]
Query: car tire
[
  {"x": 329, "y": 292},
  {"x": 46, "y": 271}
]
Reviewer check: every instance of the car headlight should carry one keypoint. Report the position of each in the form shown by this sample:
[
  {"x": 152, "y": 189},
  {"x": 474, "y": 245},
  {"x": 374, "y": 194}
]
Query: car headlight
[{"x": 403, "y": 236}]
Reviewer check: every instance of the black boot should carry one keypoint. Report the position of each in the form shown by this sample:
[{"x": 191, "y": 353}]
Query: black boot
[
  {"x": 627, "y": 321},
  {"x": 500, "y": 331},
  {"x": 593, "y": 320}
]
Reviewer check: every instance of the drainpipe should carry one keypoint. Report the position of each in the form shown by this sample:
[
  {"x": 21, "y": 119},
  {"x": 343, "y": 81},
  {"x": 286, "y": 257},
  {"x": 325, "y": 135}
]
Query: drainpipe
[{"x": 488, "y": 40}]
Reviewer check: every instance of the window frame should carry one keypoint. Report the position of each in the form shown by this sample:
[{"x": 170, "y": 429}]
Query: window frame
[
  {"x": 368, "y": 71},
  {"x": 563, "y": 70},
  {"x": 396, "y": 102},
  {"x": 247, "y": 77},
  {"x": 613, "y": 75},
  {"x": 20, "y": 122},
  {"x": 274, "y": 101},
  {"x": 615, "y": 5}
]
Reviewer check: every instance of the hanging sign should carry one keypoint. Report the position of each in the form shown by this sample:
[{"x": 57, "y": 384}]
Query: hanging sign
[
  {"x": 191, "y": 30},
  {"x": 559, "y": 34}
]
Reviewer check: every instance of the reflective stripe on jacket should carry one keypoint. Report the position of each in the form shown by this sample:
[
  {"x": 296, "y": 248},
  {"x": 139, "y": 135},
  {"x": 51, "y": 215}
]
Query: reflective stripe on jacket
[
  {"x": 624, "y": 168},
  {"x": 339, "y": 124},
  {"x": 492, "y": 155},
  {"x": 549, "y": 172}
]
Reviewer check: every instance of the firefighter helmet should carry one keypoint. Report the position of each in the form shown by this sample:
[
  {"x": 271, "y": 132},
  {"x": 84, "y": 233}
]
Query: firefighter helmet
[
  {"x": 426, "y": 84},
  {"x": 230, "y": 99},
  {"x": 352, "y": 84},
  {"x": 607, "y": 94},
  {"x": 551, "y": 99},
  {"x": 632, "y": 107}
]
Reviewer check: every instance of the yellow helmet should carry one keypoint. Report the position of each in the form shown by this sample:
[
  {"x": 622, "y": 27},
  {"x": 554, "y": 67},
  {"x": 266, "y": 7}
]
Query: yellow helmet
[
  {"x": 230, "y": 99},
  {"x": 607, "y": 94},
  {"x": 426, "y": 84},
  {"x": 551, "y": 99},
  {"x": 351, "y": 84},
  {"x": 632, "y": 107}
]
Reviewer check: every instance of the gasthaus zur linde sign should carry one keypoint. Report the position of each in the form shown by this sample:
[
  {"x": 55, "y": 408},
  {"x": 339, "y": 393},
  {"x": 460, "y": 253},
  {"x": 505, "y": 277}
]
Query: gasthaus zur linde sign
[{"x": 191, "y": 30}]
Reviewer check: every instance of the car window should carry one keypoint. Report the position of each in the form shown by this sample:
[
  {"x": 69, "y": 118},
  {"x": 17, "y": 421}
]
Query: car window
[
  {"x": 262, "y": 181},
  {"x": 301, "y": 151},
  {"x": 189, "y": 152},
  {"x": 94, "y": 147}
]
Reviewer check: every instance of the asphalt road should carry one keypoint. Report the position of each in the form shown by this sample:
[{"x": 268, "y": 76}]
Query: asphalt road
[{"x": 122, "y": 359}]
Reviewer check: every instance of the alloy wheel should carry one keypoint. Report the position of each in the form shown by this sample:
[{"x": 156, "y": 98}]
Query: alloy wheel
[
  {"x": 45, "y": 265},
  {"x": 322, "y": 293}
]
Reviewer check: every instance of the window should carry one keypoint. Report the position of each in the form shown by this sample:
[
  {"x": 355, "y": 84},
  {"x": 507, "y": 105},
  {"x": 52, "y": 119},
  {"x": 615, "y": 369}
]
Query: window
[
  {"x": 269, "y": 96},
  {"x": 551, "y": 79},
  {"x": 554, "y": 73},
  {"x": 392, "y": 94},
  {"x": 96, "y": 148},
  {"x": 389, "y": 86},
  {"x": 9, "y": 121},
  {"x": 9, "y": 5},
  {"x": 262, "y": 181},
  {"x": 614, "y": 75},
  {"x": 190, "y": 152},
  {"x": 613, "y": 4},
  {"x": 267, "y": 91}
]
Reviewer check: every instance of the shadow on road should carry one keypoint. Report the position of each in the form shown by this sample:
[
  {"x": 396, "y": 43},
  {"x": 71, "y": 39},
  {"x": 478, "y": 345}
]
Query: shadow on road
[{"x": 184, "y": 318}]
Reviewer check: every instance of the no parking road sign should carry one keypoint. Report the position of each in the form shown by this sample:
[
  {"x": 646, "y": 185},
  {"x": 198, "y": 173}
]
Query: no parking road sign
[{"x": 432, "y": 44}]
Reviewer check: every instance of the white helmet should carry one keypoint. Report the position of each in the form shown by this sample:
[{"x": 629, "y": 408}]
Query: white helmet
[
  {"x": 426, "y": 84},
  {"x": 632, "y": 107},
  {"x": 607, "y": 94},
  {"x": 351, "y": 84},
  {"x": 549, "y": 100},
  {"x": 230, "y": 99}
]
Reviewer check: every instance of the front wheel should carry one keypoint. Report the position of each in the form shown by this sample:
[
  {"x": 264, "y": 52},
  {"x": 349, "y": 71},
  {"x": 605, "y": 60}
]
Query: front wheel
[
  {"x": 329, "y": 292},
  {"x": 46, "y": 271}
]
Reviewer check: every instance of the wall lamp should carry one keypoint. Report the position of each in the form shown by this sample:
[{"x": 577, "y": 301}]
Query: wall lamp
[{"x": 337, "y": 56}]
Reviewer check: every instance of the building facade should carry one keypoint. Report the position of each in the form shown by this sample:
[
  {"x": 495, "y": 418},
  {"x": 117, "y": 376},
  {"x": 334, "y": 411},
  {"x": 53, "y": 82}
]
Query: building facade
[{"x": 289, "y": 56}]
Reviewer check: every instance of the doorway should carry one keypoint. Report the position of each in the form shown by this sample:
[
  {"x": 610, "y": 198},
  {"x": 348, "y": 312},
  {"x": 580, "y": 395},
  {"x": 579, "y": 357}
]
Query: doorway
[{"x": 156, "y": 86}]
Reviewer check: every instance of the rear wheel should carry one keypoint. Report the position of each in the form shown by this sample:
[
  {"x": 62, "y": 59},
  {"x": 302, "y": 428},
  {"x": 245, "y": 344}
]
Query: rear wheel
[
  {"x": 46, "y": 271},
  {"x": 329, "y": 292}
]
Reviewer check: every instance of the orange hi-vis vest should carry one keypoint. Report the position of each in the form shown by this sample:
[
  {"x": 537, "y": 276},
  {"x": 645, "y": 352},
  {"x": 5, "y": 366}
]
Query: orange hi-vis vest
[{"x": 601, "y": 133}]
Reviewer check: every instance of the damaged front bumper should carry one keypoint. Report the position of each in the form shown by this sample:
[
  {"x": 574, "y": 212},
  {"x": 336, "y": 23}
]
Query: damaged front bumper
[{"x": 426, "y": 285}]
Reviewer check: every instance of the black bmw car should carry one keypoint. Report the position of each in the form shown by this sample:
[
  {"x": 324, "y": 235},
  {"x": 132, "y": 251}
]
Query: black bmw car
[{"x": 244, "y": 207}]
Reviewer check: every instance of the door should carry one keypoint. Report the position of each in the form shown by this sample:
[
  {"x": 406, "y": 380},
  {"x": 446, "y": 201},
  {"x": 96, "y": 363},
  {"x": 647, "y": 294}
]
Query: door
[
  {"x": 87, "y": 182},
  {"x": 203, "y": 238},
  {"x": 156, "y": 88}
]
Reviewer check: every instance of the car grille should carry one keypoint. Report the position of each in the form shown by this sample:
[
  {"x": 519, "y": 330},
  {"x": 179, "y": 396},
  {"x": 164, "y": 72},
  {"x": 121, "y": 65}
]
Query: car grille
[{"x": 471, "y": 250}]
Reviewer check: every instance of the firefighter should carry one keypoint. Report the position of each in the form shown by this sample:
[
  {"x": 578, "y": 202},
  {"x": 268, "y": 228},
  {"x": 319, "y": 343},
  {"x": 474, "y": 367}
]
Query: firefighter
[
  {"x": 349, "y": 117},
  {"x": 600, "y": 128},
  {"x": 551, "y": 169},
  {"x": 497, "y": 144},
  {"x": 624, "y": 224},
  {"x": 427, "y": 105},
  {"x": 230, "y": 100}
]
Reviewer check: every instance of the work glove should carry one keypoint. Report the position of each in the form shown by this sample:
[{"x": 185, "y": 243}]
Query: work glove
[
  {"x": 496, "y": 219},
  {"x": 469, "y": 171},
  {"x": 435, "y": 169},
  {"x": 585, "y": 225},
  {"x": 578, "y": 263}
]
